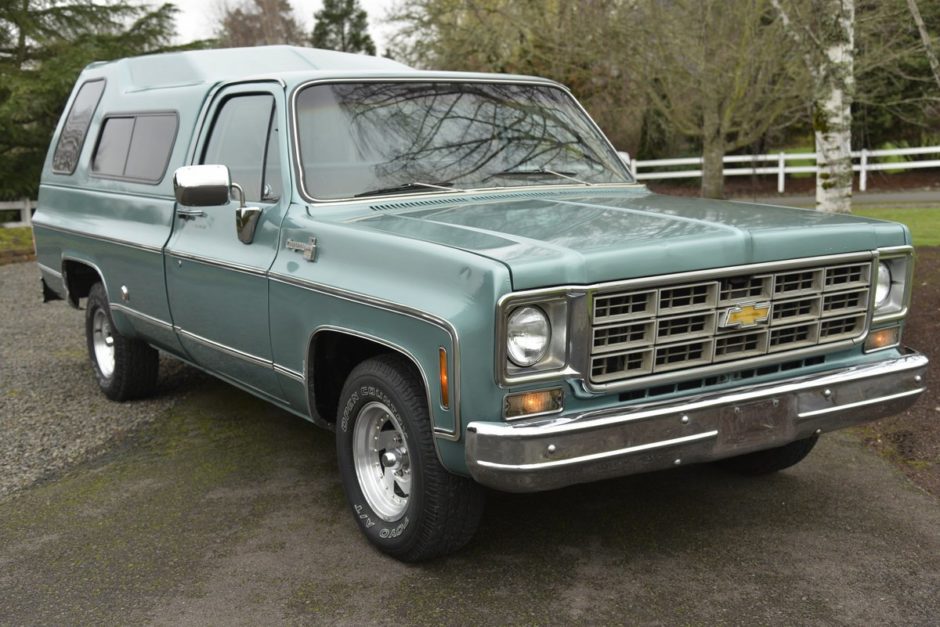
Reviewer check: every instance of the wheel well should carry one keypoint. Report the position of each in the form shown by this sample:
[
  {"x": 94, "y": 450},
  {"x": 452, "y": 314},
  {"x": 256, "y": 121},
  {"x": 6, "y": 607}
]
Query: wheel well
[
  {"x": 79, "y": 278},
  {"x": 332, "y": 355}
]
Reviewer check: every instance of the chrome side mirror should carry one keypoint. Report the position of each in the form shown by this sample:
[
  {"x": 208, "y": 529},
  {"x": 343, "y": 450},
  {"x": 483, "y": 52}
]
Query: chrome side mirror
[
  {"x": 202, "y": 185},
  {"x": 246, "y": 218}
]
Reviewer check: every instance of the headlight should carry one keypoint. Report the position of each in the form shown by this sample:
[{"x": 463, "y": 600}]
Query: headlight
[
  {"x": 528, "y": 334},
  {"x": 893, "y": 283},
  {"x": 883, "y": 288}
]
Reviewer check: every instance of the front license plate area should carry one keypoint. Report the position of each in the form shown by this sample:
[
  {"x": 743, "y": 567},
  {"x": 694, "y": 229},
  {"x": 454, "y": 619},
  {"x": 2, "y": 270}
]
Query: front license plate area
[{"x": 760, "y": 424}]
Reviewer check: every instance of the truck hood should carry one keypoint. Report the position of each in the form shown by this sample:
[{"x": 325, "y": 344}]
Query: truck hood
[{"x": 592, "y": 236}]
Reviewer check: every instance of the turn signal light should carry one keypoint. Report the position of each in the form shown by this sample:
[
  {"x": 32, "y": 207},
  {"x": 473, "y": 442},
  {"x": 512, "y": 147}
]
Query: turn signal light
[
  {"x": 882, "y": 338},
  {"x": 445, "y": 384},
  {"x": 532, "y": 403}
]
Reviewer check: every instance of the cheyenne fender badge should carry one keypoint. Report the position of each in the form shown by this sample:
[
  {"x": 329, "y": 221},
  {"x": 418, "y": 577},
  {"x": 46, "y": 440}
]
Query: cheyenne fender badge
[{"x": 309, "y": 249}]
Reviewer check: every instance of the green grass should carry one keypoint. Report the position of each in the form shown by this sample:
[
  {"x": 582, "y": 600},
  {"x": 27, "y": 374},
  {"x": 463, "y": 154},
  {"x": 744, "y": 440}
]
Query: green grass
[
  {"x": 18, "y": 238},
  {"x": 924, "y": 222}
]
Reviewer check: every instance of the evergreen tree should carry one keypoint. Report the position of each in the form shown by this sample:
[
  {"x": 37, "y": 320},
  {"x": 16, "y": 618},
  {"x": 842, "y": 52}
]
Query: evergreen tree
[
  {"x": 260, "y": 23},
  {"x": 44, "y": 44},
  {"x": 342, "y": 25}
]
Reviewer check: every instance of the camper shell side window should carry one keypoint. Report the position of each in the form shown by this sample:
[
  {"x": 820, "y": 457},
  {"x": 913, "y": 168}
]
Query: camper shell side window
[
  {"x": 135, "y": 147},
  {"x": 72, "y": 138}
]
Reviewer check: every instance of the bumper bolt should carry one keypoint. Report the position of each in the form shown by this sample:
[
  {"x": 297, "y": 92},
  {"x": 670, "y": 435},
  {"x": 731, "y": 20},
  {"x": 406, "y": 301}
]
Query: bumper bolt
[
  {"x": 684, "y": 420},
  {"x": 827, "y": 392},
  {"x": 818, "y": 431},
  {"x": 551, "y": 449},
  {"x": 677, "y": 462},
  {"x": 918, "y": 379}
]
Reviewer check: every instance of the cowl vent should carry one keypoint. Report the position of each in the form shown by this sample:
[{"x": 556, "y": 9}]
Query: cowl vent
[{"x": 443, "y": 202}]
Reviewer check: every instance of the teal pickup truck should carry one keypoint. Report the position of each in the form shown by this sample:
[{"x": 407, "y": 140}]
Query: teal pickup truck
[{"x": 459, "y": 276}]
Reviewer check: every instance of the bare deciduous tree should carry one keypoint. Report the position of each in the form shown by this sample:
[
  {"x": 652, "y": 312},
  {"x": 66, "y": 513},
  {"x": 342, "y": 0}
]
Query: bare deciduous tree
[
  {"x": 925, "y": 38},
  {"x": 574, "y": 43},
  {"x": 721, "y": 74}
]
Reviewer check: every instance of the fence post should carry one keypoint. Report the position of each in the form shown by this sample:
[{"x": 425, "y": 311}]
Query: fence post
[
  {"x": 862, "y": 171},
  {"x": 781, "y": 172}
]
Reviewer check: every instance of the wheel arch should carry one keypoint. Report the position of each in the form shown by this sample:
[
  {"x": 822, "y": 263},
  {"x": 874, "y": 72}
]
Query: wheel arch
[
  {"x": 78, "y": 275},
  {"x": 332, "y": 353}
]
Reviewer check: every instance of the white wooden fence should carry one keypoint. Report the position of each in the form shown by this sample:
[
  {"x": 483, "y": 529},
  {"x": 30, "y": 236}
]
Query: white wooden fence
[
  {"x": 864, "y": 161},
  {"x": 25, "y": 209}
]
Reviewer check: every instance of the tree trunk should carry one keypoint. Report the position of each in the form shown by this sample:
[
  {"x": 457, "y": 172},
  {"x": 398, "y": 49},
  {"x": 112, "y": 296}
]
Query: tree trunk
[
  {"x": 925, "y": 38},
  {"x": 832, "y": 116},
  {"x": 713, "y": 154}
]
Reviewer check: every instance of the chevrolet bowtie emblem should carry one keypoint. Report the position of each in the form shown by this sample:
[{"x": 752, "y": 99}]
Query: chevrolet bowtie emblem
[{"x": 745, "y": 316}]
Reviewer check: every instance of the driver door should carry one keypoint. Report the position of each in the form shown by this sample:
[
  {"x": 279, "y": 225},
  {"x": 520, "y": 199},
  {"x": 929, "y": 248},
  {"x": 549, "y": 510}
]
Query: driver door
[{"x": 217, "y": 285}]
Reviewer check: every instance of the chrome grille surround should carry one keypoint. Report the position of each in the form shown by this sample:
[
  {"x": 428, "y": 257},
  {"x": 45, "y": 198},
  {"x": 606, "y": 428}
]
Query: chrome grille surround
[
  {"x": 615, "y": 328},
  {"x": 820, "y": 304}
]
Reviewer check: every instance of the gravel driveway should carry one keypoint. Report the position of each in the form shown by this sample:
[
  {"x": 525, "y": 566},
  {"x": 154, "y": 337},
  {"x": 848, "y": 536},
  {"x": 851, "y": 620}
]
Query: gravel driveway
[
  {"x": 211, "y": 507},
  {"x": 51, "y": 414}
]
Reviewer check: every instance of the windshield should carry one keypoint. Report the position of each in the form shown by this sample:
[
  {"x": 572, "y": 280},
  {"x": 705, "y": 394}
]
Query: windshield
[{"x": 360, "y": 139}]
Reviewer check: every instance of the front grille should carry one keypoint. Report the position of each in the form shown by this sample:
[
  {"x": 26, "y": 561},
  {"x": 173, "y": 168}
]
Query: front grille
[{"x": 684, "y": 325}]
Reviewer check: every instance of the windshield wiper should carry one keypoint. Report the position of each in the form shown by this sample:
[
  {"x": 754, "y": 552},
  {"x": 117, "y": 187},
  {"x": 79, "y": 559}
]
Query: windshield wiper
[
  {"x": 417, "y": 186},
  {"x": 538, "y": 172}
]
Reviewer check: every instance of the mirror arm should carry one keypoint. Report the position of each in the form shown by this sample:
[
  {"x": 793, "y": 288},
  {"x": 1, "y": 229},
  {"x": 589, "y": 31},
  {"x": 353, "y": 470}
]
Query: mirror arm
[
  {"x": 246, "y": 218},
  {"x": 241, "y": 195}
]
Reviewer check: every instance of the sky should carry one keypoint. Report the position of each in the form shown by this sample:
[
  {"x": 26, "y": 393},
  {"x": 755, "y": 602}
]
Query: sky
[{"x": 197, "y": 18}]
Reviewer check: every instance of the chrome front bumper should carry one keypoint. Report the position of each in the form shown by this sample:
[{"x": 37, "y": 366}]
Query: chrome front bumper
[{"x": 550, "y": 453}]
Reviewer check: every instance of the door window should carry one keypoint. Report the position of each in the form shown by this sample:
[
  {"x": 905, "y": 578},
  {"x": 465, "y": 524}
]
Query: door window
[{"x": 241, "y": 139}]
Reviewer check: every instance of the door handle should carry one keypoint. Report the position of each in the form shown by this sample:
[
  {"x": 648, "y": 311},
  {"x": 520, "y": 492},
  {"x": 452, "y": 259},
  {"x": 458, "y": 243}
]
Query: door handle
[{"x": 190, "y": 214}]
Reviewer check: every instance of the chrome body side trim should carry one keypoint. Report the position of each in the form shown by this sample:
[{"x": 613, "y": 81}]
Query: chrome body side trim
[
  {"x": 295, "y": 140},
  {"x": 100, "y": 238},
  {"x": 140, "y": 315},
  {"x": 580, "y": 297},
  {"x": 216, "y": 263},
  {"x": 543, "y": 454},
  {"x": 291, "y": 374},
  {"x": 403, "y": 310},
  {"x": 234, "y": 352}
]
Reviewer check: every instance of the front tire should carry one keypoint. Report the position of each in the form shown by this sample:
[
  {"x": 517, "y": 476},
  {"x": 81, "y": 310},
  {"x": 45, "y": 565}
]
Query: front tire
[
  {"x": 125, "y": 368},
  {"x": 771, "y": 460},
  {"x": 403, "y": 500}
]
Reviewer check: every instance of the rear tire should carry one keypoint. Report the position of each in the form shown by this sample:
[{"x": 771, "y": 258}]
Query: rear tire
[
  {"x": 402, "y": 498},
  {"x": 126, "y": 368},
  {"x": 770, "y": 460}
]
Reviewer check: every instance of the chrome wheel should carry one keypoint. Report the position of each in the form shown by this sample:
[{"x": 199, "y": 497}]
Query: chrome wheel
[
  {"x": 103, "y": 342},
  {"x": 380, "y": 456}
]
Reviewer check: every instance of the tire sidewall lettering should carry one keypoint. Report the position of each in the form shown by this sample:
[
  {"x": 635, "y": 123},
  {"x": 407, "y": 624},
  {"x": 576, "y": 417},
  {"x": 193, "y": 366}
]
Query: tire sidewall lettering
[{"x": 370, "y": 523}]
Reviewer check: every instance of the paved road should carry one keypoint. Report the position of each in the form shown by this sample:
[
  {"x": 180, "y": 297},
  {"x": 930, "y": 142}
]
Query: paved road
[{"x": 223, "y": 510}]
